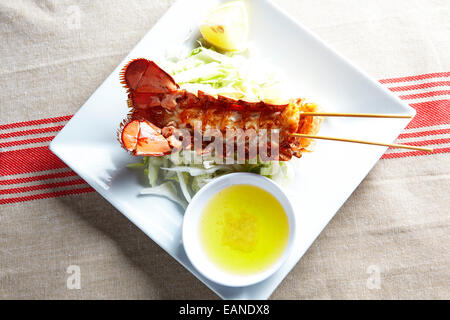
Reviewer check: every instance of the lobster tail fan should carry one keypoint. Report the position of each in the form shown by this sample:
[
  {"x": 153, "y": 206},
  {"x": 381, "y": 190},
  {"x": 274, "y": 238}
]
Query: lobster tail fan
[{"x": 144, "y": 76}]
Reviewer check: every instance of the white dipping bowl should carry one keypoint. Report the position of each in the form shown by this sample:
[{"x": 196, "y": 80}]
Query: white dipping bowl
[{"x": 191, "y": 229}]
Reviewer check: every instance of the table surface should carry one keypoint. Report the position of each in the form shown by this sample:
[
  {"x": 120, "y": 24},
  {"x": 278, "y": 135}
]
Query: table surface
[{"x": 389, "y": 241}]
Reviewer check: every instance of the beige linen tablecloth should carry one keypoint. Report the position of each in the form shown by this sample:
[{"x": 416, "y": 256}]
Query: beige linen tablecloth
[{"x": 390, "y": 240}]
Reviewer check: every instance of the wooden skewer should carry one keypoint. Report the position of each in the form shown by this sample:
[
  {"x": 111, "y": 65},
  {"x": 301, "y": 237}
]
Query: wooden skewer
[
  {"x": 399, "y": 146},
  {"x": 356, "y": 115}
]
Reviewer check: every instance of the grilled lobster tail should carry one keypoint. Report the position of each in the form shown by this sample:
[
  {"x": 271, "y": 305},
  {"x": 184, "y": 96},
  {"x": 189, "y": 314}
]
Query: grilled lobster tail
[{"x": 161, "y": 112}]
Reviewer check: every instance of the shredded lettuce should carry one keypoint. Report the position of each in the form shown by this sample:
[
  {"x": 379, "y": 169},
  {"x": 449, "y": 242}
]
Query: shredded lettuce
[
  {"x": 178, "y": 177},
  {"x": 194, "y": 171},
  {"x": 229, "y": 74},
  {"x": 167, "y": 190},
  {"x": 170, "y": 173}
]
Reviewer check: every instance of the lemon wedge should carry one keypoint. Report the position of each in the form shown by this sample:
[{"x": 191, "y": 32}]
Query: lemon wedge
[{"x": 226, "y": 26}]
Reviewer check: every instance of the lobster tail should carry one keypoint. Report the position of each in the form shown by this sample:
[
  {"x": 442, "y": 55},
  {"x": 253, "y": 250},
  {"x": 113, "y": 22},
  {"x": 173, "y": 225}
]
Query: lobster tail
[
  {"x": 161, "y": 111},
  {"x": 144, "y": 138},
  {"x": 144, "y": 76}
]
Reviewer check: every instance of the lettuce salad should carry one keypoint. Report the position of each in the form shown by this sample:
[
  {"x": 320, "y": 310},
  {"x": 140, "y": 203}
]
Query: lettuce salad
[{"x": 176, "y": 176}]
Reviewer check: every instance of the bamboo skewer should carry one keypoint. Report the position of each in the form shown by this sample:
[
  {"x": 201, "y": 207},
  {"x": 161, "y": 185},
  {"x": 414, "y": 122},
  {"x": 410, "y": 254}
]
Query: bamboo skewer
[
  {"x": 360, "y": 115},
  {"x": 356, "y": 115},
  {"x": 399, "y": 146}
]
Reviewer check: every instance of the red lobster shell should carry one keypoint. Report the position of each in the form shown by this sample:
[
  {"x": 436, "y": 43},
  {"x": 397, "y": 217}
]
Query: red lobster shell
[{"x": 160, "y": 110}]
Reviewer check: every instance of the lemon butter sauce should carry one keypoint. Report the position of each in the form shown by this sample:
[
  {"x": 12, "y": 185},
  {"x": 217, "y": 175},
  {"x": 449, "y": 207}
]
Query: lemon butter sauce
[{"x": 244, "y": 229}]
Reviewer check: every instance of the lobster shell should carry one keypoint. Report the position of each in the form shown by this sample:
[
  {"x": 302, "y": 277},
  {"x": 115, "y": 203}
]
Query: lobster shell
[{"x": 160, "y": 109}]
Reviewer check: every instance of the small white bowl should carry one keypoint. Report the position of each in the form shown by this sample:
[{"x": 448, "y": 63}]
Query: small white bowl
[{"x": 191, "y": 233}]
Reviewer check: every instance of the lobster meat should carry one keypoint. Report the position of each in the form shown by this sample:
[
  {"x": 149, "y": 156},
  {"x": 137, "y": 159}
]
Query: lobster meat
[{"x": 161, "y": 111}]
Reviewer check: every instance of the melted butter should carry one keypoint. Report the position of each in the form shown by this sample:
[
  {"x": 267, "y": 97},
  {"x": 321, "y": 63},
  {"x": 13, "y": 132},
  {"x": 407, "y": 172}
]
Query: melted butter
[{"x": 244, "y": 229}]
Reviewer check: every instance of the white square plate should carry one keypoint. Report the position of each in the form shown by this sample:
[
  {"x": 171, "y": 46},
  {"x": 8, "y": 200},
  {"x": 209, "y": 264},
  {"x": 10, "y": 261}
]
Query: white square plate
[{"x": 324, "y": 178}]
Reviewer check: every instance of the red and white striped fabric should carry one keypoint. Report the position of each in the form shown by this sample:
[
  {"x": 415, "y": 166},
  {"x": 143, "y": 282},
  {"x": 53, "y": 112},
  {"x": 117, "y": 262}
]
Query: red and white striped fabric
[
  {"x": 30, "y": 171},
  {"x": 429, "y": 95}
]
